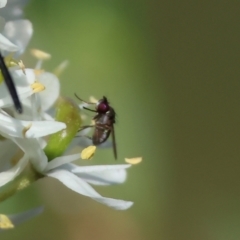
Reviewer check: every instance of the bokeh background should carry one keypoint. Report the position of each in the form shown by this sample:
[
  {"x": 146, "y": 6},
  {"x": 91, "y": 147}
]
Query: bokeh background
[{"x": 171, "y": 71}]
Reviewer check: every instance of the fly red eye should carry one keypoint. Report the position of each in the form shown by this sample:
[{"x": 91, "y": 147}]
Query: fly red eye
[{"x": 102, "y": 107}]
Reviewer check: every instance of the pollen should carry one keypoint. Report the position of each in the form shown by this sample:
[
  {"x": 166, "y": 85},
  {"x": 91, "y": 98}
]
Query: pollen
[
  {"x": 25, "y": 129},
  {"x": 40, "y": 54},
  {"x": 87, "y": 153},
  {"x": 133, "y": 161},
  {"x": 5, "y": 222},
  {"x": 37, "y": 87}
]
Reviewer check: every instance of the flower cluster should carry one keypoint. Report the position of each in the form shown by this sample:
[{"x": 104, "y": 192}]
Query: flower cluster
[{"x": 39, "y": 139}]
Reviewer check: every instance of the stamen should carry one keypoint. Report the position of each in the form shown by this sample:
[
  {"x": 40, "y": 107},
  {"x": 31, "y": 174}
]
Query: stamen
[
  {"x": 37, "y": 87},
  {"x": 25, "y": 129},
  {"x": 87, "y": 153},
  {"x": 40, "y": 54},
  {"x": 5, "y": 222},
  {"x": 60, "y": 68},
  {"x": 38, "y": 71},
  {"x": 21, "y": 65},
  {"x": 10, "y": 62},
  {"x": 133, "y": 160}
]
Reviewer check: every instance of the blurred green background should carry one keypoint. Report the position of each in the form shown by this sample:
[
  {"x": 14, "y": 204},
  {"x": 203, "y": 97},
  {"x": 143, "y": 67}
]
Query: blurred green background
[{"x": 171, "y": 71}]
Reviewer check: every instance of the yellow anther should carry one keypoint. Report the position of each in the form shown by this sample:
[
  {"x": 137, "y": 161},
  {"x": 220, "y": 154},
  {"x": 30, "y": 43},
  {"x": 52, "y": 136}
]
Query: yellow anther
[
  {"x": 25, "y": 129},
  {"x": 37, "y": 87},
  {"x": 40, "y": 54},
  {"x": 5, "y": 222},
  {"x": 87, "y": 153},
  {"x": 133, "y": 160}
]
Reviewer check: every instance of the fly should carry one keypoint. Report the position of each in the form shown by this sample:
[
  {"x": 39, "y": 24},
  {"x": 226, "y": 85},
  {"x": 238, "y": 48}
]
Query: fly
[{"x": 104, "y": 123}]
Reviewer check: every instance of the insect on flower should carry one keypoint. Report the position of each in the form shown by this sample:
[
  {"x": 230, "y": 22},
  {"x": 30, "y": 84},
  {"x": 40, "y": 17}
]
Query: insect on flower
[{"x": 104, "y": 122}]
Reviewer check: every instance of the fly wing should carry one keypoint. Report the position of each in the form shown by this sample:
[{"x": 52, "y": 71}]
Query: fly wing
[{"x": 114, "y": 143}]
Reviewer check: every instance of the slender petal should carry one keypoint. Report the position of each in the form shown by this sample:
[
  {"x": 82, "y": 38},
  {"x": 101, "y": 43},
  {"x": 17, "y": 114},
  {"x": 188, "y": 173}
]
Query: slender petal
[
  {"x": 19, "y": 32},
  {"x": 9, "y": 175},
  {"x": 33, "y": 148},
  {"x": 61, "y": 160},
  {"x": 27, "y": 129},
  {"x": 22, "y": 83},
  {"x": 52, "y": 89},
  {"x": 81, "y": 187},
  {"x": 109, "y": 176},
  {"x": 99, "y": 168},
  {"x": 5, "y": 44}
]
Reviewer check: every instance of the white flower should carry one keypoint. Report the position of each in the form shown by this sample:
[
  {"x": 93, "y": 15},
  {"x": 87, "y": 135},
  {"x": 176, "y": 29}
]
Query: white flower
[
  {"x": 16, "y": 34},
  {"x": 27, "y": 135},
  {"x": 46, "y": 85},
  {"x": 6, "y": 45},
  {"x": 19, "y": 32},
  {"x": 38, "y": 93},
  {"x": 75, "y": 177}
]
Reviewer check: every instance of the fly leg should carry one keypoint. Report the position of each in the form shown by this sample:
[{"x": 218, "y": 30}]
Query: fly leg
[
  {"x": 84, "y": 127},
  {"x": 83, "y": 100}
]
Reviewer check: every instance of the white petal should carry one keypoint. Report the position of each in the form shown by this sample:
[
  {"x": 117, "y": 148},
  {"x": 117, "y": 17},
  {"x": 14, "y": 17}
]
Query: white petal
[
  {"x": 9, "y": 175},
  {"x": 105, "y": 177},
  {"x": 43, "y": 128},
  {"x": 7, "y": 100},
  {"x": 5, "y": 44},
  {"x": 28, "y": 129},
  {"x": 19, "y": 32},
  {"x": 31, "y": 109},
  {"x": 78, "y": 185},
  {"x": 22, "y": 82},
  {"x": 52, "y": 89},
  {"x": 56, "y": 162},
  {"x": 3, "y": 3},
  {"x": 99, "y": 168},
  {"x": 33, "y": 148}
]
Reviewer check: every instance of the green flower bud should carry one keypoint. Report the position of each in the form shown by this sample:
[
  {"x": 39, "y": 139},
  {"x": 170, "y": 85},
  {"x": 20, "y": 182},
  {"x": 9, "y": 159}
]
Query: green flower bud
[{"x": 69, "y": 113}]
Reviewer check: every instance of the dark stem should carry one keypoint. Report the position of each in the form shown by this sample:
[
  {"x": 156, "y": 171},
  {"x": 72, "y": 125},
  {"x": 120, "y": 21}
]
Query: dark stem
[{"x": 10, "y": 85}]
